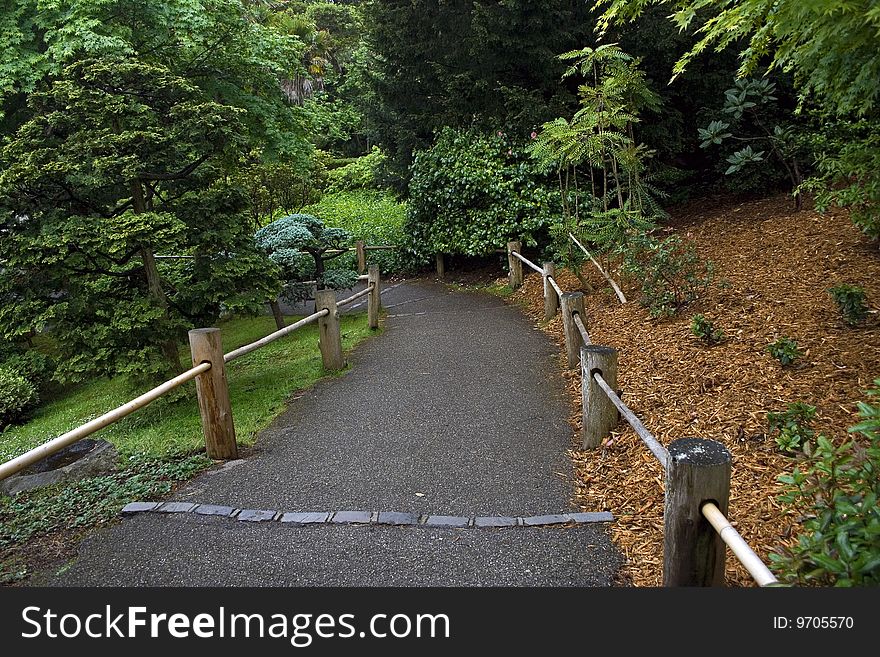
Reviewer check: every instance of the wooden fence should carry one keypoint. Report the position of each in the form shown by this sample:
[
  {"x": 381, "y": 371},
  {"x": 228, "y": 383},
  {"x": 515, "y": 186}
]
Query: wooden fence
[
  {"x": 695, "y": 526},
  {"x": 209, "y": 372}
]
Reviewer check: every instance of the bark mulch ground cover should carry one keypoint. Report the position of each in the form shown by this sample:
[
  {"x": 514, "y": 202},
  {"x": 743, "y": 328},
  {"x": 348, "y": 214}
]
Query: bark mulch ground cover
[{"x": 773, "y": 269}]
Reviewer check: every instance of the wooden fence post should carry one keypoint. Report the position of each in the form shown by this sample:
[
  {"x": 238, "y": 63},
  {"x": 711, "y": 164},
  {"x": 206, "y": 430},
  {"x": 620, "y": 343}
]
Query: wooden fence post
[
  {"x": 441, "y": 265},
  {"x": 329, "y": 337},
  {"x": 515, "y": 265},
  {"x": 361, "y": 256},
  {"x": 551, "y": 299},
  {"x": 374, "y": 299},
  {"x": 600, "y": 414},
  {"x": 572, "y": 302},
  {"x": 212, "y": 391},
  {"x": 693, "y": 553}
]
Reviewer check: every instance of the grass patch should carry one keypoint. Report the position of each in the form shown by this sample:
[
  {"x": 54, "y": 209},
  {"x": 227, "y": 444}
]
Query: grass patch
[
  {"x": 259, "y": 385},
  {"x": 160, "y": 445}
]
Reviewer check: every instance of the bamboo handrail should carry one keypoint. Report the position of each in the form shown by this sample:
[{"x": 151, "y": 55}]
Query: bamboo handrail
[
  {"x": 608, "y": 278},
  {"x": 741, "y": 550},
  {"x": 555, "y": 285},
  {"x": 262, "y": 342},
  {"x": 657, "y": 449},
  {"x": 56, "y": 444},
  {"x": 583, "y": 329},
  {"x": 528, "y": 262},
  {"x": 355, "y": 296}
]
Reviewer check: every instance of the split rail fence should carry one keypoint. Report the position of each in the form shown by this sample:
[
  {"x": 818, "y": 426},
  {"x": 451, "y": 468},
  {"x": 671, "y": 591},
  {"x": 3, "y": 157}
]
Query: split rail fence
[
  {"x": 209, "y": 372},
  {"x": 697, "y": 487}
]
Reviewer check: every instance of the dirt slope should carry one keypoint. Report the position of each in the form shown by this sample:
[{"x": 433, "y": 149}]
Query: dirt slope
[{"x": 773, "y": 270}]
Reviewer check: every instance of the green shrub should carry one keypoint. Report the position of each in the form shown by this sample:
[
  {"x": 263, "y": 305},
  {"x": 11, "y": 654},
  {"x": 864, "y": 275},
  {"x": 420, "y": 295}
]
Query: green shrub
[
  {"x": 835, "y": 490},
  {"x": 374, "y": 217},
  {"x": 671, "y": 273},
  {"x": 17, "y": 396},
  {"x": 785, "y": 350},
  {"x": 33, "y": 365},
  {"x": 792, "y": 426},
  {"x": 705, "y": 330},
  {"x": 359, "y": 173},
  {"x": 471, "y": 193},
  {"x": 850, "y": 301}
]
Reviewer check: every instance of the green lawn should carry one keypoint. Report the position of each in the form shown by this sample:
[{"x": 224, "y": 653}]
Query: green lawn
[{"x": 259, "y": 384}]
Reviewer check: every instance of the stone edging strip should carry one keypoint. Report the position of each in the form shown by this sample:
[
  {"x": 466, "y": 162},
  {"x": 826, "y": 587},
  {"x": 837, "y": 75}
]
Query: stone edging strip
[{"x": 393, "y": 518}]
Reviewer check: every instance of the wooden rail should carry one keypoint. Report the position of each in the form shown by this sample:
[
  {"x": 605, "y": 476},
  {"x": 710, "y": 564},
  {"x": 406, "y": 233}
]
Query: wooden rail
[
  {"x": 210, "y": 375},
  {"x": 47, "y": 449},
  {"x": 697, "y": 471}
]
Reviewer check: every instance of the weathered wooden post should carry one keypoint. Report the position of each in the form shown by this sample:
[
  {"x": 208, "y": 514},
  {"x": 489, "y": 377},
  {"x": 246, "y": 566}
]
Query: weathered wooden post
[
  {"x": 441, "y": 265},
  {"x": 361, "y": 256},
  {"x": 374, "y": 299},
  {"x": 600, "y": 414},
  {"x": 572, "y": 302},
  {"x": 515, "y": 265},
  {"x": 329, "y": 336},
  {"x": 693, "y": 553},
  {"x": 212, "y": 391},
  {"x": 551, "y": 299}
]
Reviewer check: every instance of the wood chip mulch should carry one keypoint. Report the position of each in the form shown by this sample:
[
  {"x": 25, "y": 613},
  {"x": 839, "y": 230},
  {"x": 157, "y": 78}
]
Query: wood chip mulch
[{"x": 773, "y": 268}]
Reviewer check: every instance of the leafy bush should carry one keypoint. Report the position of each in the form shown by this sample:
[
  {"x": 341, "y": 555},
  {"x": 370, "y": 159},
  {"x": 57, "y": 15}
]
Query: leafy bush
[
  {"x": 672, "y": 275},
  {"x": 785, "y": 350},
  {"x": 374, "y": 217},
  {"x": 471, "y": 193},
  {"x": 850, "y": 301},
  {"x": 705, "y": 330},
  {"x": 17, "y": 396},
  {"x": 33, "y": 365},
  {"x": 792, "y": 426},
  {"x": 358, "y": 173},
  {"x": 835, "y": 489}
]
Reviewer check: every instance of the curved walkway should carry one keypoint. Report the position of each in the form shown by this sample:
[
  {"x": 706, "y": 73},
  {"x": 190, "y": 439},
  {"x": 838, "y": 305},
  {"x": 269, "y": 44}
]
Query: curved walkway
[{"x": 455, "y": 410}]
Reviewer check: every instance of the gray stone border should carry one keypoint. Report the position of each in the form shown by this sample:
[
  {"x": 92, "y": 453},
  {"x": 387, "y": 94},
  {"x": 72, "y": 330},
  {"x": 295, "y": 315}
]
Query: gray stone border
[{"x": 363, "y": 518}]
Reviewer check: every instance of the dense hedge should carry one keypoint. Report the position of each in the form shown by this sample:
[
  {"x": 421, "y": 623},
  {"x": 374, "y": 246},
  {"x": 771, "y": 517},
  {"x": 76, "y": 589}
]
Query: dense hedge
[{"x": 471, "y": 193}]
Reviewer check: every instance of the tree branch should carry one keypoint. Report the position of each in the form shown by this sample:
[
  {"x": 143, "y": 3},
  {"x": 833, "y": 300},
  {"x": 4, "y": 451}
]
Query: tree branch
[{"x": 177, "y": 175}]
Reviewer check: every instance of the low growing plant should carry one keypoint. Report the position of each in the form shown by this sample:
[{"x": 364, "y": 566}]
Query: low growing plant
[
  {"x": 17, "y": 396},
  {"x": 705, "y": 330},
  {"x": 785, "y": 350},
  {"x": 835, "y": 488},
  {"x": 850, "y": 301},
  {"x": 672, "y": 275},
  {"x": 792, "y": 426}
]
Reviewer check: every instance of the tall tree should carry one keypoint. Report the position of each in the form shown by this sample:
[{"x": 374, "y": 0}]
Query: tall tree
[
  {"x": 466, "y": 64},
  {"x": 136, "y": 115}
]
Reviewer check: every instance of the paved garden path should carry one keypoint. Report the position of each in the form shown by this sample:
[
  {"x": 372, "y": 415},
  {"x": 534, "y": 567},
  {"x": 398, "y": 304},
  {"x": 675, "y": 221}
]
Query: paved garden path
[{"x": 456, "y": 409}]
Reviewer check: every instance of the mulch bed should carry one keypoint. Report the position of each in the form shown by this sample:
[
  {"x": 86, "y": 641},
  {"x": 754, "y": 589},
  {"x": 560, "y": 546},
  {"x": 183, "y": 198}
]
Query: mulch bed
[{"x": 774, "y": 266}]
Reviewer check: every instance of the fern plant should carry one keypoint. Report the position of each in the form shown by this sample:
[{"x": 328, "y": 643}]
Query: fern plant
[{"x": 607, "y": 197}]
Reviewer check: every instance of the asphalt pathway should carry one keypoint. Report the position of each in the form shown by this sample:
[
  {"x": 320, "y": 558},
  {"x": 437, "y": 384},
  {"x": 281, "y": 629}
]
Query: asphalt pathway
[{"x": 455, "y": 409}]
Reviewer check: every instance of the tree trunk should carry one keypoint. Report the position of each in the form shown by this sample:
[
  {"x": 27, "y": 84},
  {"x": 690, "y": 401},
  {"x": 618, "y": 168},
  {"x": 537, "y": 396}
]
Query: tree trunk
[
  {"x": 154, "y": 283},
  {"x": 276, "y": 313}
]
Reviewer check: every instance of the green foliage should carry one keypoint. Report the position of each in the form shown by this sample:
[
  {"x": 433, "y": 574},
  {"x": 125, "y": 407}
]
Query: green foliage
[
  {"x": 835, "y": 489},
  {"x": 792, "y": 426},
  {"x": 850, "y": 301},
  {"x": 848, "y": 162},
  {"x": 298, "y": 244},
  {"x": 671, "y": 273},
  {"x": 126, "y": 147},
  {"x": 754, "y": 99},
  {"x": 471, "y": 193},
  {"x": 17, "y": 396},
  {"x": 33, "y": 365},
  {"x": 706, "y": 330},
  {"x": 92, "y": 501},
  {"x": 484, "y": 65},
  {"x": 376, "y": 218},
  {"x": 785, "y": 350},
  {"x": 360, "y": 173}
]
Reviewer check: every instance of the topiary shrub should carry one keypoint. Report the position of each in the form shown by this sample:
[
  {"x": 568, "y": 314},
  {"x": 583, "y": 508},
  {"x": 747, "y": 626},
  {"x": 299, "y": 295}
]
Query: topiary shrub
[
  {"x": 471, "y": 193},
  {"x": 33, "y": 365},
  {"x": 17, "y": 396}
]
